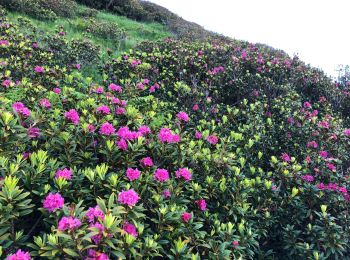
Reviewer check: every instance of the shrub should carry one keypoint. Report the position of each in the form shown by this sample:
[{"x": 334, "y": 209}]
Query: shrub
[{"x": 106, "y": 30}]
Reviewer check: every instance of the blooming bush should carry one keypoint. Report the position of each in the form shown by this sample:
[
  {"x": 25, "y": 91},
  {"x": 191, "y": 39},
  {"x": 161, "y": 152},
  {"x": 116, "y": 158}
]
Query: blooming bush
[{"x": 193, "y": 167}]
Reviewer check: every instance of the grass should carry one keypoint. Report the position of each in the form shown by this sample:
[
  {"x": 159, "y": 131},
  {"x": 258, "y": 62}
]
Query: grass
[{"x": 136, "y": 32}]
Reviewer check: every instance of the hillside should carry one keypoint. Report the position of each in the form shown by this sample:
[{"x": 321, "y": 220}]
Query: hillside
[{"x": 120, "y": 148}]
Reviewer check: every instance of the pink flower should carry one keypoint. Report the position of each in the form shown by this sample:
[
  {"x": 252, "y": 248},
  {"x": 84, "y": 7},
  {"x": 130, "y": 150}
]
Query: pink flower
[
  {"x": 33, "y": 132},
  {"x": 125, "y": 133},
  {"x": 73, "y": 116},
  {"x": 120, "y": 111},
  {"x": 122, "y": 144},
  {"x": 21, "y": 109},
  {"x": 39, "y": 69},
  {"x": 202, "y": 205},
  {"x": 45, "y": 103},
  {"x": 144, "y": 130},
  {"x": 53, "y": 202},
  {"x": 285, "y": 157},
  {"x": 185, "y": 217},
  {"x": 4, "y": 43},
  {"x": 94, "y": 255},
  {"x": 307, "y": 105},
  {"x": 161, "y": 175},
  {"x": 312, "y": 144},
  {"x": 100, "y": 228},
  {"x": 146, "y": 162},
  {"x": 146, "y": 81},
  {"x": 107, "y": 129},
  {"x": 19, "y": 255},
  {"x": 133, "y": 174},
  {"x": 166, "y": 194},
  {"x": 195, "y": 107},
  {"x": 331, "y": 166},
  {"x": 140, "y": 86},
  {"x": 235, "y": 243},
  {"x": 307, "y": 178},
  {"x": 64, "y": 174},
  {"x": 166, "y": 136},
  {"x": 91, "y": 128},
  {"x": 95, "y": 214},
  {"x": 57, "y": 90},
  {"x": 324, "y": 124},
  {"x": 244, "y": 55},
  {"x": 347, "y": 132},
  {"x": 129, "y": 197},
  {"x": 78, "y": 66},
  {"x": 103, "y": 110},
  {"x": 130, "y": 229},
  {"x": 198, "y": 135},
  {"x": 69, "y": 223},
  {"x": 183, "y": 173},
  {"x": 323, "y": 154},
  {"x": 212, "y": 139},
  {"x": 99, "y": 90},
  {"x": 182, "y": 116},
  {"x": 115, "y": 88},
  {"x": 6, "y": 83}
]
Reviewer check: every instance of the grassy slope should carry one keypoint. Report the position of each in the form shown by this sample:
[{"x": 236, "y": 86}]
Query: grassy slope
[{"x": 136, "y": 32}]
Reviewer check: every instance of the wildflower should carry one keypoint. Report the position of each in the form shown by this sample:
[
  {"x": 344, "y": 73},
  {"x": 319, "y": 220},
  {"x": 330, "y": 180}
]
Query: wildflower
[
  {"x": 347, "y": 132},
  {"x": 307, "y": 105},
  {"x": 39, "y": 69},
  {"x": 56, "y": 90},
  {"x": 94, "y": 214},
  {"x": 212, "y": 139},
  {"x": 323, "y": 154},
  {"x": 115, "y": 88},
  {"x": 4, "y": 43},
  {"x": 120, "y": 111},
  {"x": 33, "y": 132},
  {"x": 307, "y": 178},
  {"x": 69, "y": 223},
  {"x": 73, "y": 116},
  {"x": 103, "y": 110},
  {"x": 198, "y": 135},
  {"x": 6, "y": 83},
  {"x": 94, "y": 255},
  {"x": 235, "y": 243},
  {"x": 166, "y": 136},
  {"x": 53, "y": 202},
  {"x": 100, "y": 228},
  {"x": 64, "y": 174},
  {"x": 182, "y": 116},
  {"x": 130, "y": 229},
  {"x": 122, "y": 144},
  {"x": 195, "y": 107},
  {"x": 146, "y": 162},
  {"x": 312, "y": 144},
  {"x": 99, "y": 90},
  {"x": 107, "y": 129},
  {"x": 45, "y": 103},
  {"x": 77, "y": 66},
  {"x": 133, "y": 174},
  {"x": 91, "y": 128},
  {"x": 129, "y": 197},
  {"x": 185, "y": 217},
  {"x": 144, "y": 130},
  {"x": 125, "y": 133},
  {"x": 21, "y": 109},
  {"x": 331, "y": 166},
  {"x": 19, "y": 255},
  {"x": 166, "y": 194},
  {"x": 285, "y": 157},
  {"x": 202, "y": 205},
  {"x": 183, "y": 173},
  {"x": 161, "y": 175}
]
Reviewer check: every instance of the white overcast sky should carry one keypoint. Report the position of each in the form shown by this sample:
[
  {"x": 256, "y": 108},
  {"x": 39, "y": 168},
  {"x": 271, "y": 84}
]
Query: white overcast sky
[{"x": 317, "y": 30}]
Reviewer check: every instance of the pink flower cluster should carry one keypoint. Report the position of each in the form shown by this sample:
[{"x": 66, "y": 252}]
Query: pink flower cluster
[
  {"x": 130, "y": 229},
  {"x": 107, "y": 129},
  {"x": 185, "y": 217},
  {"x": 115, "y": 88},
  {"x": 166, "y": 136},
  {"x": 103, "y": 110},
  {"x": 100, "y": 228},
  {"x": 183, "y": 116},
  {"x": 307, "y": 178},
  {"x": 212, "y": 139},
  {"x": 202, "y": 205},
  {"x": 161, "y": 175},
  {"x": 285, "y": 157},
  {"x": 216, "y": 70},
  {"x": 53, "y": 202},
  {"x": 146, "y": 162},
  {"x": 347, "y": 132},
  {"x": 45, "y": 103},
  {"x": 312, "y": 144},
  {"x": 133, "y": 174},
  {"x": 183, "y": 173},
  {"x": 39, "y": 69},
  {"x": 94, "y": 255},
  {"x": 64, "y": 174},
  {"x": 33, "y": 132},
  {"x": 21, "y": 109},
  {"x": 129, "y": 197},
  {"x": 334, "y": 187},
  {"x": 73, "y": 116},
  {"x": 19, "y": 255},
  {"x": 68, "y": 223},
  {"x": 94, "y": 214}
]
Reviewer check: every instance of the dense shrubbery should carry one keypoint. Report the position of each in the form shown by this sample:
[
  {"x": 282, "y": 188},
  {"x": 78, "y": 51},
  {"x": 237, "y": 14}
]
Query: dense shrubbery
[
  {"x": 185, "y": 151},
  {"x": 42, "y": 9}
]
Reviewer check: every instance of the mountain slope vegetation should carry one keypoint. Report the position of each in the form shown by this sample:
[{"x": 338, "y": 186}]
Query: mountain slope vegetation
[{"x": 177, "y": 148}]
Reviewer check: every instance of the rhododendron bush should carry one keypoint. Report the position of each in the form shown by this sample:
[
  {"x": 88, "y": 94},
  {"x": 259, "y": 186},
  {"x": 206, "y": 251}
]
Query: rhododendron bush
[{"x": 153, "y": 162}]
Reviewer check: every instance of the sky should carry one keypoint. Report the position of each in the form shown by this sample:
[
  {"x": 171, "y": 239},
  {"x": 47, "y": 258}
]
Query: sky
[{"x": 317, "y": 31}]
